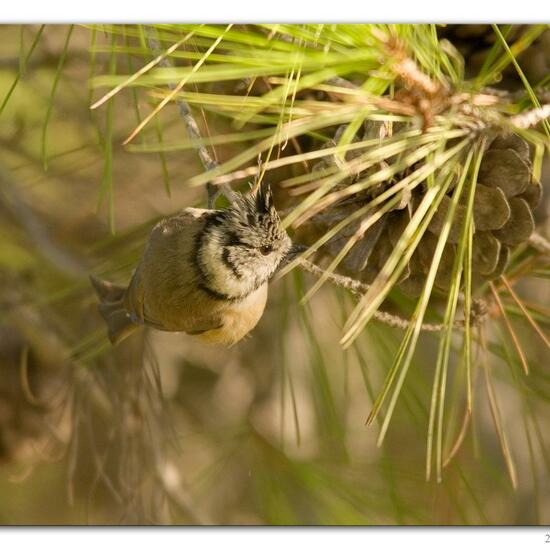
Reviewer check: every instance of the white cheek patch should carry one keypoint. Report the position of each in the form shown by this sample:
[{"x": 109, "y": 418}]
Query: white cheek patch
[
  {"x": 258, "y": 270},
  {"x": 221, "y": 277},
  {"x": 253, "y": 269}
]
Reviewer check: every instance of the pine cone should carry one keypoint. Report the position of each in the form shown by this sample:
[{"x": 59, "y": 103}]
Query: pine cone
[{"x": 505, "y": 198}]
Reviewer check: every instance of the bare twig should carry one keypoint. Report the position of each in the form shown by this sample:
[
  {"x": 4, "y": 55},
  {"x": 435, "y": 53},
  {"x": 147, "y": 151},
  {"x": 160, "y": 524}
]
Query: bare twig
[
  {"x": 540, "y": 243},
  {"x": 513, "y": 97},
  {"x": 531, "y": 118},
  {"x": 355, "y": 287},
  {"x": 192, "y": 128},
  {"x": 142, "y": 71},
  {"x": 12, "y": 198},
  {"x": 359, "y": 288}
]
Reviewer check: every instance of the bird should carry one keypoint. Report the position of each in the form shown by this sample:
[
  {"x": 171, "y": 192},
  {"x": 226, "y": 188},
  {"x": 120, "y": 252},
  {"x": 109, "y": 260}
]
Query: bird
[{"x": 204, "y": 272}]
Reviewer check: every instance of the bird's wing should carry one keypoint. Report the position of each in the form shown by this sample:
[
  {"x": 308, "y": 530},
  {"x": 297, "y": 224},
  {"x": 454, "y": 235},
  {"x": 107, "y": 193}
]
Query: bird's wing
[
  {"x": 134, "y": 298},
  {"x": 164, "y": 286}
]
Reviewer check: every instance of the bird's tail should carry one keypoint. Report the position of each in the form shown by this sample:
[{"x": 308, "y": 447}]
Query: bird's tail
[{"x": 119, "y": 323}]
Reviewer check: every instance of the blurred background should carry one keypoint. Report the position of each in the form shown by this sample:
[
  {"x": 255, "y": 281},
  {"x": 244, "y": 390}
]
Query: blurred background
[{"x": 164, "y": 429}]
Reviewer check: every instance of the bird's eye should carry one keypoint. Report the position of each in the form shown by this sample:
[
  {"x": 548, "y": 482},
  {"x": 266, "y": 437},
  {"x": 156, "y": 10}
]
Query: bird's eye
[{"x": 267, "y": 249}]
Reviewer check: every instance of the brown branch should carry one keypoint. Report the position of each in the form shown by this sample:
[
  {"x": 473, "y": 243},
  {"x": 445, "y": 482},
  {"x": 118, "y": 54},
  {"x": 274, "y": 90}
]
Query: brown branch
[
  {"x": 359, "y": 288},
  {"x": 12, "y": 198},
  {"x": 192, "y": 127},
  {"x": 540, "y": 243},
  {"x": 531, "y": 118}
]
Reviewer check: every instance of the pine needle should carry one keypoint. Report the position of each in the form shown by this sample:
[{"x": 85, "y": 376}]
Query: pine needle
[
  {"x": 401, "y": 253},
  {"x": 176, "y": 89},
  {"x": 141, "y": 71},
  {"x": 468, "y": 260},
  {"x": 22, "y": 66},
  {"x": 49, "y": 109},
  {"x": 364, "y": 226},
  {"x": 521, "y": 74},
  {"x": 460, "y": 438},
  {"x": 106, "y": 188},
  {"x": 440, "y": 376},
  {"x": 510, "y": 329},
  {"x": 406, "y": 245},
  {"x": 498, "y": 425},
  {"x": 525, "y": 312}
]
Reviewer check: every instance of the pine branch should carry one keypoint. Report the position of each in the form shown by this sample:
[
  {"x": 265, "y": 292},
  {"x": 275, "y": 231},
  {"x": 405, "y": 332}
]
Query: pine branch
[
  {"x": 531, "y": 118},
  {"x": 540, "y": 243},
  {"x": 192, "y": 128},
  {"x": 14, "y": 201},
  {"x": 358, "y": 288}
]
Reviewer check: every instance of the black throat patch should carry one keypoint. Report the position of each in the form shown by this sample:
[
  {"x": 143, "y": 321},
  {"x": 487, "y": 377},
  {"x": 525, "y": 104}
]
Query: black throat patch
[{"x": 216, "y": 219}]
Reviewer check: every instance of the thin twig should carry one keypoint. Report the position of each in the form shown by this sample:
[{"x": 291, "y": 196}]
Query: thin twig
[
  {"x": 355, "y": 287},
  {"x": 175, "y": 88},
  {"x": 12, "y": 197},
  {"x": 358, "y": 288},
  {"x": 142, "y": 71},
  {"x": 185, "y": 113},
  {"x": 513, "y": 97},
  {"x": 540, "y": 243},
  {"x": 191, "y": 125},
  {"x": 531, "y": 118}
]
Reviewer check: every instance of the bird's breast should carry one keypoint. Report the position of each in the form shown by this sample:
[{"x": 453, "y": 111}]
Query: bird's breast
[{"x": 239, "y": 318}]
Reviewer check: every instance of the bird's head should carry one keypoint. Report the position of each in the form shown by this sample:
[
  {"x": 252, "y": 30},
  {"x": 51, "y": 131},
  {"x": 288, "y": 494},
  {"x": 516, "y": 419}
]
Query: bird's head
[{"x": 243, "y": 245}]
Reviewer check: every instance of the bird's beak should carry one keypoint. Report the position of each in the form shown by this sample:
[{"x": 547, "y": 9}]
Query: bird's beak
[{"x": 295, "y": 250}]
